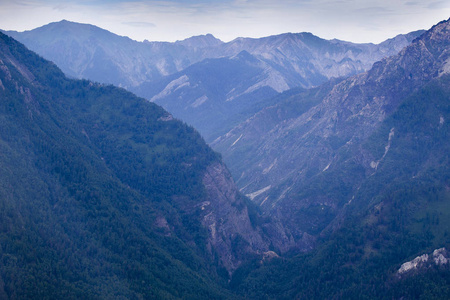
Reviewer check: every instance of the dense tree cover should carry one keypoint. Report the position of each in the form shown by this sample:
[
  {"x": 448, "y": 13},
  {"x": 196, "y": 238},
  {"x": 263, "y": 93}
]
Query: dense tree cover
[
  {"x": 400, "y": 210},
  {"x": 86, "y": 171}
]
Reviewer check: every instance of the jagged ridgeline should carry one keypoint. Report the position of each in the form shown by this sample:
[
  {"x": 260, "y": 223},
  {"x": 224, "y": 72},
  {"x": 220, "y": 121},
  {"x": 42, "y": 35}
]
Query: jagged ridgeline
[
  {"x": 390, "y": 237},
  {"x": 209, "y": 84},
  {"x": 99, "y": 191}
]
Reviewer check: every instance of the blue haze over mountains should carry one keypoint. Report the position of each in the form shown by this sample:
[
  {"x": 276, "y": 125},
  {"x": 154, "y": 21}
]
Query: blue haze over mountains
[
  {"x": 325, "y": 135},
  {"x": 342, "y": 150},
  {"x": 209, "y": 84}
]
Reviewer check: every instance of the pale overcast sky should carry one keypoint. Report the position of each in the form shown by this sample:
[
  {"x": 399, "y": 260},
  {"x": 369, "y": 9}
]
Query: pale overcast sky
[{"x": 170, "y": 20}]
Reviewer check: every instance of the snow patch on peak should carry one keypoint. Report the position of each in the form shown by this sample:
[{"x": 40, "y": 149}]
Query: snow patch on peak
[
  {"x": 267, "y": 170},
  {"x": 237, "y": 140},
  {"x": 326, "y": 168}
]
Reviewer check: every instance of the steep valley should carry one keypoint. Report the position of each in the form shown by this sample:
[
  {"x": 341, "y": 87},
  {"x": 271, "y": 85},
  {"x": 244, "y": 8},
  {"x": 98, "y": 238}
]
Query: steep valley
[
  {"x": 339, "y": 154},
  {"x": 105, "y": 195}
]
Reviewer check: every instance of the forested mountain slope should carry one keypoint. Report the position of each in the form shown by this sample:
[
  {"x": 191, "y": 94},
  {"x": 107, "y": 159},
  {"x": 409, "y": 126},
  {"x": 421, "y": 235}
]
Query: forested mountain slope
[{"x": 105, "y": 195}]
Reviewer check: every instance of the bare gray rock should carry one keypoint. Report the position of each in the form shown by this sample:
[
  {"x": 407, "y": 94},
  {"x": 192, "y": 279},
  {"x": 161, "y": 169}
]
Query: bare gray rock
[
  {"x": 439, "y": 257},
  {"x": 274, "y": 153},
  {"x": 231, "y": 233}
]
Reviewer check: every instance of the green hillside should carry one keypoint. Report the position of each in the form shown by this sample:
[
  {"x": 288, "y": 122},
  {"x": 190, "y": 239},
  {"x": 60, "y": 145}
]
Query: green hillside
[{"x": 86, "y": 172}]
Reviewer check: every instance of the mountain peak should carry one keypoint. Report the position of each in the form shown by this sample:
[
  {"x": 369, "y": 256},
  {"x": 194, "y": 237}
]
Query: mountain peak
[
  {"x": 439, "y": 31},
  {"x": 245, "y": 56},
  {"x": 65, "y": 24},
  {"x": 200, "y": 41},
  {"x": 65, "y": 28}
]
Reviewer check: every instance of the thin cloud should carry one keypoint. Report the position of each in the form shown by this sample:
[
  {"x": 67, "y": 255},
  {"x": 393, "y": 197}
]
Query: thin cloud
[
  {"x": 140, "y": 24},
  {"x": 374, "y": 10},
  {"x": 438, "y": 5},
  {"x": 170, "y": 20}
]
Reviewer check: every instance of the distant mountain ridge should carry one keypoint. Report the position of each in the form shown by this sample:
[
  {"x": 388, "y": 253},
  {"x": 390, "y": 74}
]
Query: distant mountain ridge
[
  {"x": 288, "y": 51},
  {"x": 200, "y": 41},
  {"x": 215, "y": 94},
  {"x": 149, "y": 68},
  {"x": 205, "y": 96},
  {"x": 87, "y": 51}
]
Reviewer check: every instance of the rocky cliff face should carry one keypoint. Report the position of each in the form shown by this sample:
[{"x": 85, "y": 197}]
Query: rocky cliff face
[
  {"x": 232, "y": 235},
  {"x": 274, "y": 154}
]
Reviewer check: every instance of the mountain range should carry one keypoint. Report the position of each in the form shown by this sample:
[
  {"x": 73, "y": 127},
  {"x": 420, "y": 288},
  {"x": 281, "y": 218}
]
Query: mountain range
[
  {"x": 86, "y": 51},
  {"x": 362, "y": 169},
  {"x": 107, "y": 195},
  {"x": 282, "y": 156},
  {"x": 207, "y": 83}
]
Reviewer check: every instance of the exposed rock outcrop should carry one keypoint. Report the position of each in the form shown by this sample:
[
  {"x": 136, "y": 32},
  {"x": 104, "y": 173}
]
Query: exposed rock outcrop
[
  {"x": 232, "y": 235},
  {"x": 439, "y": 257}
]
